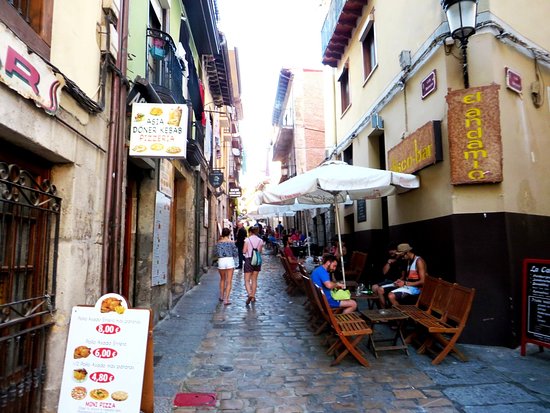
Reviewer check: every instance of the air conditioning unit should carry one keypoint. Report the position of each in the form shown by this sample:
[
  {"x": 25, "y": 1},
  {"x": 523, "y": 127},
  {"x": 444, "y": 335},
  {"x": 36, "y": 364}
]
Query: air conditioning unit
[
  {"x": 110, "y": 34},
  {"x": 376, "y": 122}
]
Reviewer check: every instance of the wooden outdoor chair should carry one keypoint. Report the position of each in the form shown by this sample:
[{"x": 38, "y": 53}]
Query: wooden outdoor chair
[
  {"x": 355, "y": 269},
  {"x": 425, "y": 299},
  {"x": 320, "y": 313},
  {"x": 432, "y": 303},
  {"x": 349, "y": 330},
  {"x": 293, "y": 277},
  {"x": 286, "y": 275},
  {"x": 319, "y": 322},
  {"x": 444, "y": 333}
]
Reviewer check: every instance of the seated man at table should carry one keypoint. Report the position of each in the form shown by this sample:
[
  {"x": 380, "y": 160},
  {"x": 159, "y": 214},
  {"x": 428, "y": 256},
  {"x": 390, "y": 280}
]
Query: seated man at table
[
  {"x": 289, "y": 254},
  {"x": 392, "y": 271},
  {"x": 321, "y": 278},
  {"x": 409, "y": 288}
]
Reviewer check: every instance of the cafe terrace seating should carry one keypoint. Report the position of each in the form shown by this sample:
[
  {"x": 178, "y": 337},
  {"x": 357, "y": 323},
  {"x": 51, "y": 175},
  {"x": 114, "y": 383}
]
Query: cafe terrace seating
[
  {"x": 319, "y": 320},
  {"x": 355, "y": 268},
  {"x": 293, "y": 278},
  {"x": 349, "y": 330},
  {"x": 441, "y": 322}
]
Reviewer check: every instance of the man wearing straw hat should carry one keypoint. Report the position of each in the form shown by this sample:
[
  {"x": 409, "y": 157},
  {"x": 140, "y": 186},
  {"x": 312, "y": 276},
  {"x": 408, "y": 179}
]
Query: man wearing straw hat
[{"x": 409, "y": 288}]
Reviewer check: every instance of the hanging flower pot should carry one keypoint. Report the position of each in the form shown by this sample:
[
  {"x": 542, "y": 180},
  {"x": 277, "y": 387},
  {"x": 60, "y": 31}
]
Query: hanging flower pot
[{"x": 158, "y": 49}]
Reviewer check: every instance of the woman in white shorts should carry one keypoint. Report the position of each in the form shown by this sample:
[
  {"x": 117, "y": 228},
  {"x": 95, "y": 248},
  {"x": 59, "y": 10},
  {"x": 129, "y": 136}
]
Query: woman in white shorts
[{"x": 227, "y": 254}]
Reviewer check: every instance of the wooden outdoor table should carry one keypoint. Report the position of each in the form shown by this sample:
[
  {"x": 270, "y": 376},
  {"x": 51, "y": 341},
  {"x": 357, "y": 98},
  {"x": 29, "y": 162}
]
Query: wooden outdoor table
[{"x": 385, "y": 316}]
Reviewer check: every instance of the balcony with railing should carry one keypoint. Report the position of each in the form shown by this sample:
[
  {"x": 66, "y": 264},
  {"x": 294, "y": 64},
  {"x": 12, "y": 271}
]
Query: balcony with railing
[
  {"x": 164, "y": 69},
  {"x": 337, "y": 29}
]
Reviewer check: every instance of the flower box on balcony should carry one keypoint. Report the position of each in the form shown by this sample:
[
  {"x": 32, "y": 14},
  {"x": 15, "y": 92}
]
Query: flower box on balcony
[{"x": 158, "y": 49}]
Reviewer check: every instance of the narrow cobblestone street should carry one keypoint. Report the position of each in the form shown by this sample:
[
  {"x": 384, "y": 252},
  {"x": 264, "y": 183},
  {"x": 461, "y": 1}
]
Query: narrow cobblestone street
[{"x": 265, "y": 358}]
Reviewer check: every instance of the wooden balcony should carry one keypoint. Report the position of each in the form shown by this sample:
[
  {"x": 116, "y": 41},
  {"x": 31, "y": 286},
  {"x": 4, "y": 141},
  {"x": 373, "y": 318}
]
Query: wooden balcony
[{"x": 337, "y": 29}]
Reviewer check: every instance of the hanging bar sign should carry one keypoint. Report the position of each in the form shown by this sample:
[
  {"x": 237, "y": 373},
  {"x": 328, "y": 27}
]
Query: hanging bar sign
[{"x": 216, "y": 178}]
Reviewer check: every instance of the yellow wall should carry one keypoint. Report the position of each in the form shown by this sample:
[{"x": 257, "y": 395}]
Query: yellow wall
[
  {"x": 529, "y": 18},
  {"x": 75, "y": 48},
  {"x": 524, "y": 128}
]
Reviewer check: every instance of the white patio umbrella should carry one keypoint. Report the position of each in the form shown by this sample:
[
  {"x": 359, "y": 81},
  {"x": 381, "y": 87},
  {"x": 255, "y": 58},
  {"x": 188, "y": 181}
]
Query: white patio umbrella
[
  {"x": 288, "y": 210},
  {"x": 336, "y": 181}
]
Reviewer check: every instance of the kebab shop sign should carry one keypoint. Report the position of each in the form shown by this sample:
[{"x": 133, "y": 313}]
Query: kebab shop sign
[
  {"x": 158, "y": 130},
  {"x": 105, "y": 358}
]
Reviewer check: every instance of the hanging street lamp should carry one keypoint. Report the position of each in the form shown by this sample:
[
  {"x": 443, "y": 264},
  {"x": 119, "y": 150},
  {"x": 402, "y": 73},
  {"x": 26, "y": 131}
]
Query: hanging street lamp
[{"x": 461, "y": 16}]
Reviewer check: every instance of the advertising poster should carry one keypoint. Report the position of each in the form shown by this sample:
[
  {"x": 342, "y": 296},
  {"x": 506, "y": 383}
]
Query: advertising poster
[
  {"x": 536, "y": 303},
  {"x": 158, "y": 130},
  {"x": 161, "y": 237},
  {"x": 105, "y": 358}
]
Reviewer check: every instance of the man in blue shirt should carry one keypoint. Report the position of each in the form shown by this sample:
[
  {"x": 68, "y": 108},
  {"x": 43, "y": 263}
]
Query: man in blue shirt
[{"x": 321, "y": 278}]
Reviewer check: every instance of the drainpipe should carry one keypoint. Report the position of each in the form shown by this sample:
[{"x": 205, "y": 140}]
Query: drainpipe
[
  {"x": 198, "y": 206},
  {"x": 110, "y": 268},
  {"x": 119, "y": 190}
]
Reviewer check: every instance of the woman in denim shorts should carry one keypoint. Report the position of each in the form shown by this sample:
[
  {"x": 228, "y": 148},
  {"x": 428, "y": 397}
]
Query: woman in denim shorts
[
  {"x": 227, "y": 255},
  {"x": 251, "y": 271}
]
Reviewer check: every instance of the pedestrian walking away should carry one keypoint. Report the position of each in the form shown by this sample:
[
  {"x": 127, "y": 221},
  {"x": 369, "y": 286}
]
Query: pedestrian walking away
[
  {"x": 240, "y": 236},
  {"x": 227, "y": 256},
  {"x": 253, "y": 242}
]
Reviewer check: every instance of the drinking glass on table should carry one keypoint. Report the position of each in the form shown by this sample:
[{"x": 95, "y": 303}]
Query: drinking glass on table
[{"x": 360, "y": 288}]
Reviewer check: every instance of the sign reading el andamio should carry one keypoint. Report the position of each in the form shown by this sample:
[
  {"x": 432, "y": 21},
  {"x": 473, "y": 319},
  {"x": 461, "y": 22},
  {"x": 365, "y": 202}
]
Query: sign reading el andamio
[
  {"x": 420, "y": 149},
  {"x": 475, "y": 142}
]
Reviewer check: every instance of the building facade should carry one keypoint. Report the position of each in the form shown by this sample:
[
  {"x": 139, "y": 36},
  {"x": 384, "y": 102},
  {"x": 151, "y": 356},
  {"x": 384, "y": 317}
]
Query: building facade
[
  {"x": 80, "y": 214},
  {"x": 400, "y": 103},
  {"x": 57, "y": 102},
  {"x": 299, "y": 139}
]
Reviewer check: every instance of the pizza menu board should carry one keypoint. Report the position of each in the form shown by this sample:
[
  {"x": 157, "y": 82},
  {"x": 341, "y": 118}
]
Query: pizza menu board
[
  {"x": 105, "y": 358},
  {"x": 158, "y": 130},
  {"x": 536, "y": 303}
]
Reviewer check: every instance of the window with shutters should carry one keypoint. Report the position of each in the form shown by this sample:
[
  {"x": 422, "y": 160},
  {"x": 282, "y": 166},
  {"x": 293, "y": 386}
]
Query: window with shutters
[{"x": 31, "y": 21}]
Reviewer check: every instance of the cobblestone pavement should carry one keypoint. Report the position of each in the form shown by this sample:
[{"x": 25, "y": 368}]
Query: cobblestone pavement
[{"x": 264, "y": 358}]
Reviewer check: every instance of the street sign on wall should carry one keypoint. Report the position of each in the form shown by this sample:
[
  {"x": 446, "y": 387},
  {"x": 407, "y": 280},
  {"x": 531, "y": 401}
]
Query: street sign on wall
[
  {"x": 429, "y": 84},
  {"x": 513, "y": 80}
]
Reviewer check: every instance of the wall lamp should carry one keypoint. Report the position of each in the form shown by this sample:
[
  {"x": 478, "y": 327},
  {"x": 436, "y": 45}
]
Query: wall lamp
[{"x": 461, "y": 16}]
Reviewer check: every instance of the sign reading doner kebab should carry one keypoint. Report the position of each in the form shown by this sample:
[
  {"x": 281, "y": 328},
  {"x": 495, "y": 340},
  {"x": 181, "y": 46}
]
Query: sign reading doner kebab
[{"x": 158, "y": 130}]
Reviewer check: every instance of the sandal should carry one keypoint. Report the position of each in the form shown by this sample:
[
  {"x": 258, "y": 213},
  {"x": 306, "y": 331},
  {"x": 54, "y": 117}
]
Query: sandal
[
  {"x": 220, "y": 299},
  {"x": 227, "y": 303},
  {"x": 248, "y": 300}
]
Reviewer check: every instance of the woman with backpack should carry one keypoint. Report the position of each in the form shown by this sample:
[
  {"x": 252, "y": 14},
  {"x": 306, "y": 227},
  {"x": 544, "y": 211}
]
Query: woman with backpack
[{"x": 252, "y": 252}]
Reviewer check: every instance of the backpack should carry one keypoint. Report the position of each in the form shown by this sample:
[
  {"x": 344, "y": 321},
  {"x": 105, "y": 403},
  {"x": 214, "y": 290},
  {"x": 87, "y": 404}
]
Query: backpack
[{"x": 256, "y": 256}]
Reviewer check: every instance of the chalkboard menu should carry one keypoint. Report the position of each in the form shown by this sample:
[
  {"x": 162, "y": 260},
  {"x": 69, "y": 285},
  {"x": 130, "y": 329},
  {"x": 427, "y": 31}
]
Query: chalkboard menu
[
  {"x": 361, "y": 210},
  {"x": 536, "y": 303}
]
